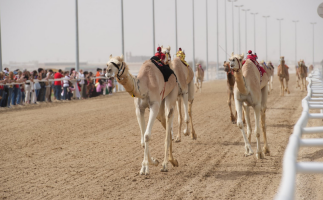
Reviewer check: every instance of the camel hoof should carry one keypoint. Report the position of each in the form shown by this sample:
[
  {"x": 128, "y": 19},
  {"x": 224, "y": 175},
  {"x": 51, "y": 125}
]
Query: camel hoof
[
  {"x": 248, "y": 154},
  {"x": 164, "y": 169},
  {"x": 178, "y": 140},
  {"x": 260, "y": 155},
  {"x": 174, "y": 162},
  {"x": 266, "y": 151},
  {"x": 144, "y": 170},
  {"x": 194, "y": 136},
  {"x": 186, "y": 133},
  {"x": 156, "y": 162}
]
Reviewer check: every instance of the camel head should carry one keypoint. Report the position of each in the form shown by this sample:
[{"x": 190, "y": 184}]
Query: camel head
[
  {"x": 226, "y": 66},
  {"x": 166, "y": 51},
  {"x": 282, "y": 61},
  {"x": 236, "y": 61},
  {"x": 115, "y": 66}
]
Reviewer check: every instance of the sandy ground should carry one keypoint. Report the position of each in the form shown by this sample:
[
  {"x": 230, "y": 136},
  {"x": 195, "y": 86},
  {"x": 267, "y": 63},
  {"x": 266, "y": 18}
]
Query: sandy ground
[{"x": 91, "y": 149}]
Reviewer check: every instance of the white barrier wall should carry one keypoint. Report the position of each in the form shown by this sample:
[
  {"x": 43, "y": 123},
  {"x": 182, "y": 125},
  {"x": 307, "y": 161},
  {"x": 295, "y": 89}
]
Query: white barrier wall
[{"x": 313, "y": 100}]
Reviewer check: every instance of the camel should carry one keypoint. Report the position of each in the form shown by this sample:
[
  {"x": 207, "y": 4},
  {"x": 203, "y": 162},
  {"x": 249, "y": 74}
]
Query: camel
[
  {"x": 250, "y": 90},
  {"x": 230, "y": 86},
  {"x": 301, "y": 74},
  {"x": 310, "y": 69},
  {"x": 282, "y": 72},
  {"x": 270, "y": 73},
  {"x": 185, "y": 80},
  {"x": 199, "y": 77},
  {"x": 150, "y": 91}
]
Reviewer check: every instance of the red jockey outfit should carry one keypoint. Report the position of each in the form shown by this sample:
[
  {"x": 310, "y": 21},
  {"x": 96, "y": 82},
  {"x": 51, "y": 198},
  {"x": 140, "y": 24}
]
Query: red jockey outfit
[
  {"x": 160, "y": 55},
  {"x": 253, "y": 58}
]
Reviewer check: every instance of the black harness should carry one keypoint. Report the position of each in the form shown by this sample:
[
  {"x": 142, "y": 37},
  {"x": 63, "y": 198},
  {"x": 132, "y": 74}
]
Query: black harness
[{"x": 119, "y": 69}]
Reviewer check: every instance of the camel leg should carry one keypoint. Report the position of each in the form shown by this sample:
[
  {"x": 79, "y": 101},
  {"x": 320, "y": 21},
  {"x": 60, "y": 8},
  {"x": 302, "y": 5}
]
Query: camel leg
[
  {"x": 190, "y": 104},
  {"x": 186, "y": 117},
  {"x": 281, "y": 86},
  {"x": 179, "y": 104},
  {"x": 287, "y": 89},
  {"x": 302, "y": 85},
  {"x": 197, "y": 84},
  {"x": 154, "y": 109},
  {"x": 259, "y": 154},
  {"x": 141, "y": 120},
  {"x": 229, "y": 104},
  {"x": 271, "y": 83},
  {"x": 240, "y": 125},
  {"x": 266, "y": 150},
  {"x": 248, "y": 122},
  {"x": 268, "y": 86},
  {"x": 201, "y": 86}
]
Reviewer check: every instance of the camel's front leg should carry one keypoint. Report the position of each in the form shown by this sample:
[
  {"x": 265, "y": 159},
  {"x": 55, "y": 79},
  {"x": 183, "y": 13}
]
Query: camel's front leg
[
  {"x": 268, "y": 86},
  {"x": 201, "y": 86},
  {"x": 264, "y": 127},
  {"x": 248, "y": 122},
  {"x": 190, "y": 104},
  {"x": 281, "y": 86},
  {"x": 197, "y": 84},
  {"x": 154, "y": 109},
  {"x": 179, "y": 106},
  {"x": 233, "y": 119},
  {"x": 271, "y": 83},
  {"x": 259, "y": 154},
  {"x": 240, "y": 125},
  {"x": 287, "y": 89},
  {"x": 140, "y": 112}
]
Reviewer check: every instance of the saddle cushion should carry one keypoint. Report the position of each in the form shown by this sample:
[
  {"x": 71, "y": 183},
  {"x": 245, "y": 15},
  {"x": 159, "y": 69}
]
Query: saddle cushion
[
  {"x": 260, "y": 69},
  {"x": 164, "y": 69}
]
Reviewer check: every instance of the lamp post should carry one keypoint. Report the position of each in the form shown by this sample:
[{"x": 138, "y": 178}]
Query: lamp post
[
  {"x": 313, "y": 23},
  {"x": 207, "y": 47},
  {"x": 153, "y": 4},
  {"x": 232, "y": 24},
  {"x": 295, "y": 21},
  {"x": 246, "y": 10},
  {"x": 266, "y": 38},
  {"x": 0, "y": 47},
  {"x": 193, "y": 37},
  {"x": 254, "y": 29},
  {"x": 122, "y": 30},
  {"x": 225, "y": 28},
  {"x": 77, "y": 36},
  {"x": 217, "y": 35},
  {"x": 280, "y": 45},
  {"x": 176, "y": 25},
  {"x": 239, "y": 6}
]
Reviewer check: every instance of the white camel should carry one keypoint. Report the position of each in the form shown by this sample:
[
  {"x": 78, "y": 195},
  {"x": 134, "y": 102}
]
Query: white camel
[
  {"x": 184, "y": 76},
  {"x": 150, "y": 91},
  {"x": 250, "y": 90}
]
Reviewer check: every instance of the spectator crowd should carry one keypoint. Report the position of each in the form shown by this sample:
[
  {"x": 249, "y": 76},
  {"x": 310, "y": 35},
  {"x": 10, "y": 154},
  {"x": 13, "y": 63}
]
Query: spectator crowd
[{"x": 31, "y": 87}]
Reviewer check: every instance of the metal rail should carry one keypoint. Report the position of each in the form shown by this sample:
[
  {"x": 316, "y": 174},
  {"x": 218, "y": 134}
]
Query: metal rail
[{"x": 290, "y": 165}]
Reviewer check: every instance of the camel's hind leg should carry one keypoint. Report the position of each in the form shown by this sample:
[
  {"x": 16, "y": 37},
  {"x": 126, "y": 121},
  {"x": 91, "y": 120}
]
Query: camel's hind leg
[
  {"x": 287, "y": 89},
  {"x": 266, "y": 150},
  {"x": 281, "y": 86},
  {"x": 257, "y": 109},
  {"x": 271, "y": 83},
  {"x": 169, "y": 115},
  {"x": 248, "y": 122},
  {"x": 179, "y": 110},
  {"x": 190, "y": 104},
  {"x": 201, "y": 82}
]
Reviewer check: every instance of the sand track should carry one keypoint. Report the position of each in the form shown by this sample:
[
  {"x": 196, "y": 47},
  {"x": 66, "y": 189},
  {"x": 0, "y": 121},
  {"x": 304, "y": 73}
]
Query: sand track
[{"x": 91, "y": 149}]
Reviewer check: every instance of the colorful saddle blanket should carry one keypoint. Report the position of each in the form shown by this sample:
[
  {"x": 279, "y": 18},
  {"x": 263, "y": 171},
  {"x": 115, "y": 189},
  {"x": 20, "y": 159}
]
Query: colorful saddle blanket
[
  {"x": 164, "y": 69},
  {"x": 260, "y": 69}
]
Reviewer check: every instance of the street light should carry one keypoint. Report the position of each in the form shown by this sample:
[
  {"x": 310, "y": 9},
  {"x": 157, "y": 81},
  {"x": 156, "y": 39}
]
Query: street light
[
  {"x": 225, "y": 27},
  {"x": 266, "y": 37},
  {"x": 254, "y": 28},
  {"x": 239, "y": 6},
  {"x": 232, "y": 24},
  {"x": 246, "y": 10},
  {"x": 193, "y": 37},
  {"x": 295, "y": 21},
  {"x": 153, "y": 4},
  {"x": 0, "y": 47},
  {"x": 313, "y": 23},
  {"x": 122, "y": 30},
  {"x": 217, "y": 35},
  {"x": 207, "y": 47},
  {"x": 77, "y": 36},
  {"x": 280, "y": 44},
  {"x": 176, "y": 25}
]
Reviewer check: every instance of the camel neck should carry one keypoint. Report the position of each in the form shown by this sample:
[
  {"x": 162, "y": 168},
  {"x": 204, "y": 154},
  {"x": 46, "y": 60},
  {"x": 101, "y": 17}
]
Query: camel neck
[
  {"x": 129, "y": 83},
  {"x": 241, "y": 85}
]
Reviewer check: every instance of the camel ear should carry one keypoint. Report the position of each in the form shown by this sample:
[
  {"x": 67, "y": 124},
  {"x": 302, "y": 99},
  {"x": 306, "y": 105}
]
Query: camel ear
[
  {"x": 169, "y": 47},
  {"x": 121, "y": 57},
  {"x": 224, "y": 62},
  {"x": 161, "y": 46},
  {"x": 110, "y": 56},
  {"x": 232, "y": 54},
  {"x": 242, "y": 55}
]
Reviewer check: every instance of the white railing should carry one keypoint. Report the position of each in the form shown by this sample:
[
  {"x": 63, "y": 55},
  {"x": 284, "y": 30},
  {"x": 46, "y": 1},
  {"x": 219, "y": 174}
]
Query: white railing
[{"x": 313, "y": 100}]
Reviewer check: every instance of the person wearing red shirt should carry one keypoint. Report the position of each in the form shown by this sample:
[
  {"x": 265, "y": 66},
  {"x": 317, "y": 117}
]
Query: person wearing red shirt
[{"x": 58, "y": 84}]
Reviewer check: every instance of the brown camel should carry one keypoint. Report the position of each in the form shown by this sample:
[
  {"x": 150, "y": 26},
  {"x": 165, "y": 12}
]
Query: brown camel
[
  {"x": 250, "y": 90},
  {"x": 199, "y": 77},
  {"x": 185, "y": 77},
  {"x": 302, "y": 74},
  {"x": 150, "y": 91},
  {"x": 282, "y": 72},
  {"x": 230, "y": 86},
  {"x": 269, "y": 71}
]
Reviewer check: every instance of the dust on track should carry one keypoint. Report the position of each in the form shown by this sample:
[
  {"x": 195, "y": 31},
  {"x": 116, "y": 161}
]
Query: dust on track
[{"x": 91, "y": 149}]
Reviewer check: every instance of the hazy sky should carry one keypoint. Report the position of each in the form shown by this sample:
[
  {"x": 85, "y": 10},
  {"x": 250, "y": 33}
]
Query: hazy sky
[{"x": 44, "y": 30}]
